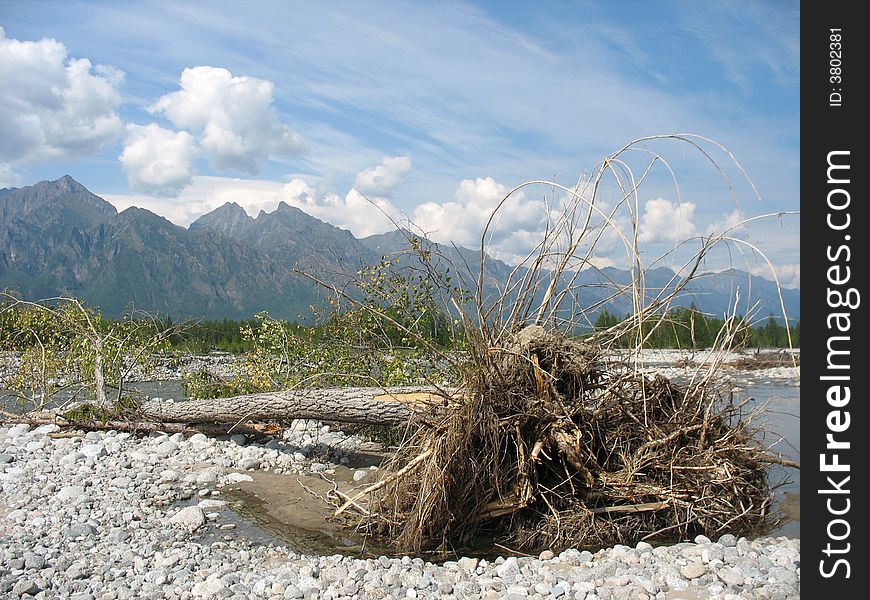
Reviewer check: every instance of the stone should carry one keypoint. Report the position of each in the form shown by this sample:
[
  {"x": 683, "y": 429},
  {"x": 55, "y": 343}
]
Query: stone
[
  {"x": 291, "y": 591},
  {"x": 25, "y": 586},
  {"x": 468, "y": 565},
  {"x": 239, "y": 439},
  {"x": 46, "y": 429},
  {"x": 359, "y": 474},
  {"x": 77, "y": 570},
  {"x": 75, "y": 493},
  {"x": 249, "y": 464},
  {"x": 167, "y": 448},
  {"x": 198, "y": 438},
  {"x": 211, "y": 504},
  {"x": 72, "y": 458},
  {"x": 238, "y": 478},
  {"x": 18, "y": 430},
  {"x": 93, "y": 450},
  {"x": 210, "y": 474},
  {"x": 546, "y": 555},
  {"x": 190, "y": 518},
  {"x": 509, "y": 569},
  {"x": 169, "y": 475},
  {"x": 5, "y": 459},
  {"x": 209, "y": 588},
  {"x": 33, "y": 561},
  {"x": 693, "y": 570},
  {"x": 732, "y": 576},
  {"x": 79, "y": 530},
  {"x": 516, "y": 592}
]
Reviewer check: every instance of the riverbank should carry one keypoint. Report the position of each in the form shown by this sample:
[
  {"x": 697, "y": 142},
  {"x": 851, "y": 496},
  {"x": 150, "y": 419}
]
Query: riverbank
[
  {"x": 741, "y": 366},
  {"x": 109, "y": 515}
]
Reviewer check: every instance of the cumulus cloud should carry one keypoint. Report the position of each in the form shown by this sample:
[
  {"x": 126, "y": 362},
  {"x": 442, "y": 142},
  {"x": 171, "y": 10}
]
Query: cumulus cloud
[
  {"x": 382, "y": 179},
  {"x": 361, "y": 215},
  {"x": 234, "y": 117},
  {"x": 8, "y": 177},
  {"x": 664, "y": 221},
  {"x": 158, "y": 161},
  {"x": 727, "y": 223},
  {"x": 789, "y": 274},
  {"x": 53, "y": 106},
  {"x": 518, "y": 226}
]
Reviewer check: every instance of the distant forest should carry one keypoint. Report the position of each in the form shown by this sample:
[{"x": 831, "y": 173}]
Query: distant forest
[
  {"x": 684, "y": 328},
  {"x": 689, "y": 328}
]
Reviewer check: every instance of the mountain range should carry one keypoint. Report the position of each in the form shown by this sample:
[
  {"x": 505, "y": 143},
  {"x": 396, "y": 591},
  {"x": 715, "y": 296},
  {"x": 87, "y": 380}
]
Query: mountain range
[{"x": 58, "y": 238}]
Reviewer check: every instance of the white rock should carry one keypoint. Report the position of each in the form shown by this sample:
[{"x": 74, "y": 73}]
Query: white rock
[
  {"x": 359, "y": 474},
  {"x": 18, "y": 430},
  {"x": 190, "y": 518},
  {"x": 168, "y": 475},
  {"x": 46, "y": 429},
  {"x": 237, "y": 478},
  {"x": 208, "y": 588},
  {"x": 93, "y": 450},
  {"x": 75, "y": 493},
  {"x": 210, "y": 474},
  {"x": 210, "y": 503},
  {"x": 167, "y": 448},
  {"x": 17, "y": 515},
  {"x": 509, "y": 569},
  {"x": 198, "y": 438}
]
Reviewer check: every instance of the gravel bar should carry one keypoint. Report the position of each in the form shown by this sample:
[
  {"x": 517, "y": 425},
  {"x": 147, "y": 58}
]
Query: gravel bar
[{"x": 103, "y": 515}]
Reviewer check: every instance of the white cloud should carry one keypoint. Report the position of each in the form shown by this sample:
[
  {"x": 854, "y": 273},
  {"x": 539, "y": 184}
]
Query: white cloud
[
  {"x": 157, "y": 160},
  {"x": 518, "y": 225},
  {"x": 382, "y": 179},
  {"x": 8, "y": 177},
  {"x": 235, "y": 118},
  {"x": 789, "y": 274},
  {"x": 53, "y": 106},
  {"x": 728, "y": 223},
  {"x": 362, "y": 215},
  {"x": 664, "y": 221},
  {"x": 205, "y": 193}
]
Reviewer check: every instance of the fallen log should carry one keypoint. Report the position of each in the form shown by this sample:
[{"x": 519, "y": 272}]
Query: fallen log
[
  {"x": 46, "y": 418},
  {"x": 366, "y": 406}
]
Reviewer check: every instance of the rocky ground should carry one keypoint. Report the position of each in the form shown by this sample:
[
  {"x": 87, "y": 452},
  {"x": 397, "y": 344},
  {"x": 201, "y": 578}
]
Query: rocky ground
[
  {"x": 110, "y": 515},
  {"x": 744, "y": 366}
]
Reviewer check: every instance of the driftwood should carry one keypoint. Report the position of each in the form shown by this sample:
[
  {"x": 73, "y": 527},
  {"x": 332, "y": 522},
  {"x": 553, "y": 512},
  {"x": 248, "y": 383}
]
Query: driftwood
[
  {"x": 367, "y": 406},
  {"x": 47, "y": 418}
]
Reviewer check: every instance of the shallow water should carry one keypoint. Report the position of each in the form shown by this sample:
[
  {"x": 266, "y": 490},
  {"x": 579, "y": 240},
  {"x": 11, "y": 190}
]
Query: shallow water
[{"x": 781, "y": 423}]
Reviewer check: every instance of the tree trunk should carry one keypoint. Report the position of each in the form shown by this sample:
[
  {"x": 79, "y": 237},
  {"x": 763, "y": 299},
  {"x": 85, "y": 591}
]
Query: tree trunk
[
  {"x": 101, "y": 399},
  {"x": 370, "y": 406}
]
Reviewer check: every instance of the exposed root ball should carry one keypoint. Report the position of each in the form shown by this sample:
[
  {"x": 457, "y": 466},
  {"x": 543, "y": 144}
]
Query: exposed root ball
[{"x": 545, "y": 448}]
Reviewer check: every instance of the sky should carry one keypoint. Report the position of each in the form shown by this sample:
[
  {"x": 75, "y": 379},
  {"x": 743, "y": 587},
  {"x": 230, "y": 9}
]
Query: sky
[{"x": 367, "y": 114}]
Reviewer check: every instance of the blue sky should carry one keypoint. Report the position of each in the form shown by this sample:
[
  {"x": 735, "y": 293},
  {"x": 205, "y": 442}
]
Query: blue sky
[{"x": 431, "y": 110}]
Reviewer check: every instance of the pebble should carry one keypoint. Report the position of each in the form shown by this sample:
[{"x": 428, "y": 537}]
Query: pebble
[
  {"x": 100, "y": 516},
  {"x": 190, "y": 518}
]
